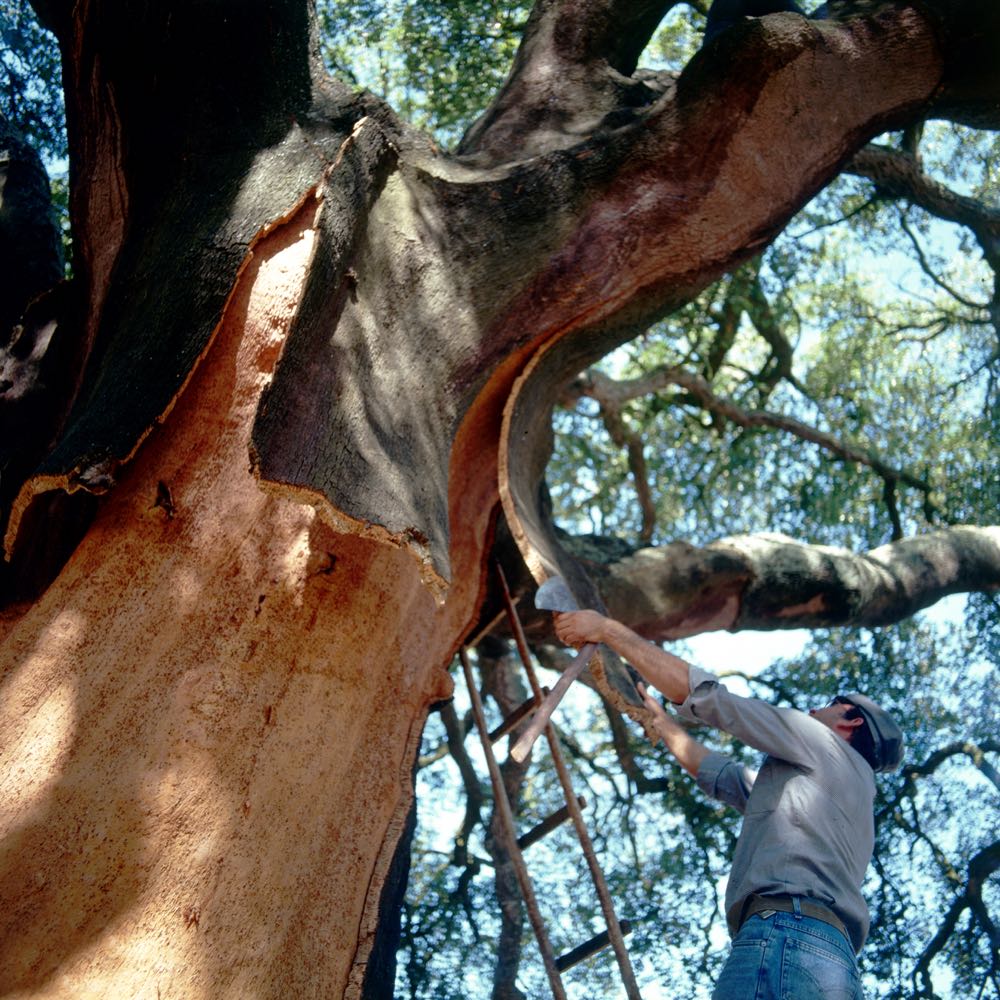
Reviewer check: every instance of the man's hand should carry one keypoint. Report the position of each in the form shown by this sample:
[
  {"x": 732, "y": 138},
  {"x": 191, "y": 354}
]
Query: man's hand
[
  {"x": 575, "y": 628},
  {"x": 666, "y": 726},
  {"x": 666, "y": 672},
  {"x": 662, "y": 721}
]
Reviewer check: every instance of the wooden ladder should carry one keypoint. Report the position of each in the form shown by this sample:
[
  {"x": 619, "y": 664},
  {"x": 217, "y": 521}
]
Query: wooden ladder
[{"x": 616, "y": 930}]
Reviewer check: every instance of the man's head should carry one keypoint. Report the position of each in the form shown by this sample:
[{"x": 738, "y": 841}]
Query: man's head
[{"x": 867, "y": 727}]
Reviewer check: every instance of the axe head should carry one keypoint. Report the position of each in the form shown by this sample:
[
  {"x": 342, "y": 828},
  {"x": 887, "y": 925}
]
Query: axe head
[{"x": 555, "y": 595}]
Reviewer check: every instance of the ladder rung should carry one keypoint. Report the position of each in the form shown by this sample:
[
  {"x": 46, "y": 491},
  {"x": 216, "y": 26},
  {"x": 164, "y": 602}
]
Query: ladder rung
[
  {"x": 548, "y": 824},
  {"x": 588, "y": 948},
  {"x": 522, "y": 710}
]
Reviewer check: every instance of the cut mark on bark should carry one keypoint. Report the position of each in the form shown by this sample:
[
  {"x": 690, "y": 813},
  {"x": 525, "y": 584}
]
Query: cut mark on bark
[
  {"x": 164, "y": 501},
  {"x": 712, "y": 614},
  {"x": 343, "y": 524},
  {"x": 814, "y": 606},
  {"x": 180, "y": 751}
]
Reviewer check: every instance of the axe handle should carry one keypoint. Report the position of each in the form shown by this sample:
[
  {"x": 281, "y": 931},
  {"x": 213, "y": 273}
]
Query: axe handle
[{"x": 539, "y": 720}]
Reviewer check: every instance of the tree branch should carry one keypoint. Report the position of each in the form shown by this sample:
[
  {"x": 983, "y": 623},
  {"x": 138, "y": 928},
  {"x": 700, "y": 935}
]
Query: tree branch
[
  {"x": 766, "y": 323},
  {"x": 612, "y": 394},
  {"x": 771, "y": 582},
  {"x": 976, "y": 752},
  {"x": 457, "y": 732},
  {"x": 728, "y": 322},
  {"x": 632, "y": 443},
  {"x": 572, "y": 69},
  {"x": 984, "y": 864},
  {"x": 900, "y": 175},
  {"x": 925, "y": 266}
]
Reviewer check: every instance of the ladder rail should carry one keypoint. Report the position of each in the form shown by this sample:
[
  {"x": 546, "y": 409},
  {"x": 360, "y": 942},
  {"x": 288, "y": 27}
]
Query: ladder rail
[
  {"x": 509, "y": 832},
  {"x": 597, "y": 875}
]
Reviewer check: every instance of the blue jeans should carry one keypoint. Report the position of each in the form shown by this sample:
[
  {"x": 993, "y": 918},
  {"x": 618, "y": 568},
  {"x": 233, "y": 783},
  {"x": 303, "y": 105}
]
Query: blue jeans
[{"x": 785, "y": 956}]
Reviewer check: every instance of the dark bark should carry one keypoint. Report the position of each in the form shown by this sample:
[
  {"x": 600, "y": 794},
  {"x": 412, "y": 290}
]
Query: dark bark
[
  {"x": 572, "y": 75},
  {"x": 180, "y": 159},
  {"x": 968, "y": 31},
  {"x": 30, "y": 248},
  {"x": 380, "y": 972},
  {"x": 193, "y": 196}
]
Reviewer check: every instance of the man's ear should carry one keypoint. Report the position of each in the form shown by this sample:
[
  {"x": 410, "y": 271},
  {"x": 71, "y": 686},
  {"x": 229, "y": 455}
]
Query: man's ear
[{"x": 847, "y": 726}]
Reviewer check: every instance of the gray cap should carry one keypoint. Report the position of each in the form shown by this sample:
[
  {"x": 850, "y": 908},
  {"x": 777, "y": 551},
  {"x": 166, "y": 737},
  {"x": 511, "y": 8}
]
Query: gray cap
[{"x": 886, "y": 734}]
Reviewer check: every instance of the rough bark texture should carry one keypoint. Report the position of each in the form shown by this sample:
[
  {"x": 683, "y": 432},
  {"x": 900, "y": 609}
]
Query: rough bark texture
[
  {"x": 303, "y": 326},
  {"x": 30, "y": 252},
  {"x": 771, "y": 582}
]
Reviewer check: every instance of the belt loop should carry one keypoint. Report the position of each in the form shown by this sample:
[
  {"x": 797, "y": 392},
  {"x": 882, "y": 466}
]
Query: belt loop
[{"x": 796, "y": 907}]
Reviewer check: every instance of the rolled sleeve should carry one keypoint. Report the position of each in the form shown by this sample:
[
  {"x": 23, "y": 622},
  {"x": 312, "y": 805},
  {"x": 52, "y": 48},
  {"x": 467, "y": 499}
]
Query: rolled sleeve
[
  {"x": 785, "y": 733},
  {"x": 722, "y": 778}
]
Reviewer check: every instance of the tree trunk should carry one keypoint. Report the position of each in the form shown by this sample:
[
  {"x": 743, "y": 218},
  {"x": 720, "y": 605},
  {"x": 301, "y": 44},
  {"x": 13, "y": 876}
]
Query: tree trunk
[{"x": 303, "y": 324}]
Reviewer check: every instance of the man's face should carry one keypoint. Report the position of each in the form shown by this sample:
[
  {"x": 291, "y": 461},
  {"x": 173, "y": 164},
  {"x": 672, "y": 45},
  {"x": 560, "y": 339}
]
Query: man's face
[{"x": 834, "y": 716}]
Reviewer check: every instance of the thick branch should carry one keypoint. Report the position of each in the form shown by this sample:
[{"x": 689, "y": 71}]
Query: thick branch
[
  {"x": 770, "y": 582},
  {"x": 572, "y": 69}
]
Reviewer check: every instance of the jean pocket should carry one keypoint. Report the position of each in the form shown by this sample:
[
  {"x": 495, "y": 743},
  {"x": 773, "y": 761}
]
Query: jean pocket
[
  {"x": 741, "y": 972},
  {"x": 809, "y": 971}
]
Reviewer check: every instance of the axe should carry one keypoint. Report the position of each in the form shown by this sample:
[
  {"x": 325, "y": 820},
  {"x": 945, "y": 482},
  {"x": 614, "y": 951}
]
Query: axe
[{"x": 553, "y": 595}]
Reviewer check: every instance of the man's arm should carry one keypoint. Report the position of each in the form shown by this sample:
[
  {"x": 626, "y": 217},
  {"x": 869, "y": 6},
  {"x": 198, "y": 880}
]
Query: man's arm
[
  {"x": 782, "y": 732},
  {"x": 666, "y": 672},
  {"x": 718, "y": 776},
  {"x": 688, "y": 751}
]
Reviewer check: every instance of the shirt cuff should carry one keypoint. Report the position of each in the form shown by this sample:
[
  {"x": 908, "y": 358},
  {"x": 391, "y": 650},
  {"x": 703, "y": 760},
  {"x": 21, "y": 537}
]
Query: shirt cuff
[
  {"x": 696, "y": 677},
  {"x": 709, "y": 770}
]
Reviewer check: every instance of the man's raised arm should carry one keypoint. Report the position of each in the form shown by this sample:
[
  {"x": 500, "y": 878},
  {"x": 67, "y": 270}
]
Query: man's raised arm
[{"x": 666, "y": 672}]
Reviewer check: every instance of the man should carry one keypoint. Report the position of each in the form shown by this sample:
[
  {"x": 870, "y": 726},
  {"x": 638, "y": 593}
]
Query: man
[{"x": 793, "y": 900}]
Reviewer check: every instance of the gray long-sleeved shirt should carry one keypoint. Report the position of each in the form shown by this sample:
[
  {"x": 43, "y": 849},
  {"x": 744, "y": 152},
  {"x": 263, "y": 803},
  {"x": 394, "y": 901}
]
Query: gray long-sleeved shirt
[{"x": 808, "y": 826}]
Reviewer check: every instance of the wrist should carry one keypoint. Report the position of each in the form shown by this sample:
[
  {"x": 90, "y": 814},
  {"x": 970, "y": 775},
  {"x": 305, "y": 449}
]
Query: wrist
[{"x": 613, "y": 633}]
